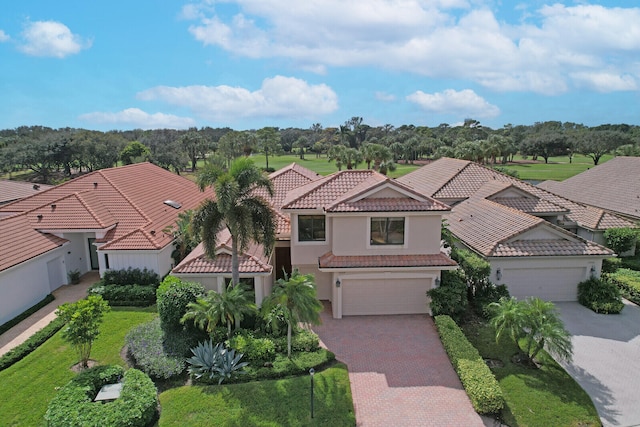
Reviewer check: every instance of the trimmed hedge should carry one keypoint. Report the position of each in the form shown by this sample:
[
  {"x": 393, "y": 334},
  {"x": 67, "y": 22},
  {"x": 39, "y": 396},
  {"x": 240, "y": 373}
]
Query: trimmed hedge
[
  {"x": 628, "y": 281},
  {"x": 450, "y": 298},
  {"x": 125, "y": 295},
  {"x": 34, "y": 341},
  {"x": 611, "y": 265},
  {"x": 173, "y": 296},
  {"x": 476, "y": 377},
  {"x": 131, "y": 276},
  {"x": 600, "y": 296},
  {"x": 74, "y": 406},
  {"x": 20, "y": 317}
]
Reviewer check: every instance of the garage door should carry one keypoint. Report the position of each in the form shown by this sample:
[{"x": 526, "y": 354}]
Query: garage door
[
  {"x": 384, "y": 296},
  {"x": 551, "y": 284}
]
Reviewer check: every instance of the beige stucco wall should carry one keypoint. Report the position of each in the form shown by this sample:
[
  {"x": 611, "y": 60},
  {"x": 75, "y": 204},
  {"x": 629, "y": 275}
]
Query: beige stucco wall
[{"x": 323, "y": 279}]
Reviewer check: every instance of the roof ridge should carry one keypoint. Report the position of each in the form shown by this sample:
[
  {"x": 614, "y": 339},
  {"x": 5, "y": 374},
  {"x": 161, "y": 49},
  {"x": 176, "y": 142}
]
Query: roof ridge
[
  {"x": 89, "y": 209},
  {"x": 115, "y": 187},
  {"x": 453, "y": 176}
]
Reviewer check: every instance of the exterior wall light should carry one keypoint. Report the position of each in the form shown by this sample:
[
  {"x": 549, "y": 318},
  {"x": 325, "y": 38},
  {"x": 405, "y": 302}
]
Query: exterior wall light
[
  {"x": 593, "y": 271},
  {"x": 498, "y": 274},
  {"x": 338, "y": 283},
  {"x": 437, "y": 282}
]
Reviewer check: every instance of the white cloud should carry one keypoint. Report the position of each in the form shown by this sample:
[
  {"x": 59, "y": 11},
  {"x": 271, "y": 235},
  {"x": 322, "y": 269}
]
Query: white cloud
[
  {"x": 606, "y": 82},
  {"x": 545, "y": 51},
  {"x": 4, "y": 36},
  {"x": 278, "y": 97},
  {"x": 137, "y": 118},
  {"x": 461, "y": 103},
  {"x": 51, "y": 38}
]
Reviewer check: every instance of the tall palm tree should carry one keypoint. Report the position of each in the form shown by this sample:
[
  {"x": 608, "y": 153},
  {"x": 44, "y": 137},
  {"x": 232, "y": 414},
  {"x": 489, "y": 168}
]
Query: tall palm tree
[
  {"x": 296, "y": 296},
  {"x": 227, "y": 307},
  {"x": 248, "y": 216}
]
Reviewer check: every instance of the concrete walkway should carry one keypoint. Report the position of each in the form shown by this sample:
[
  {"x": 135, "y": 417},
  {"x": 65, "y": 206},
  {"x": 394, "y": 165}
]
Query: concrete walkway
[
  {"x": 41, "y": 318},
  {"x": 399, "y": 372},
  {"x": 606, "y": 360}
]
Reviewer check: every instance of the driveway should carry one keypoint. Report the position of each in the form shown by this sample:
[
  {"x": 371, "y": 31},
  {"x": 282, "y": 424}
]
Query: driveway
[
  {"x": 400, "y": 374},
  {"x": 606, "y": 360}
]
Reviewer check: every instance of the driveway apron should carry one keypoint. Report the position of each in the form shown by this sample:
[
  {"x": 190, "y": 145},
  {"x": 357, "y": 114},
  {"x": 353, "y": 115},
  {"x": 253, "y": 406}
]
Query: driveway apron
[
  {"x": 399, "y": 372},
  {"x": 606, "y": 360}
]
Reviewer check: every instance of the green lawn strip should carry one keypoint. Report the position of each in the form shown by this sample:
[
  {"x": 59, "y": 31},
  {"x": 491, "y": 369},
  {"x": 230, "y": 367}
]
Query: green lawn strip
[
  {"x": 558, "y": 168},
  {"x": 284, "y": 402},
  {"x": 28, "y": 386},
  {"x": 547, "y": 396}
]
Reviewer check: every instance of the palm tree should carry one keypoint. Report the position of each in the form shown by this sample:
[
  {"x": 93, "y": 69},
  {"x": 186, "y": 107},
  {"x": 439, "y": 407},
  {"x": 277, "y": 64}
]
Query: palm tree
[
  {"x": 185, "y": 237},
  {"x": 248, "y": 216},
  {"x": 297, "y": 298},
  {"x": 227, "y": 307}
]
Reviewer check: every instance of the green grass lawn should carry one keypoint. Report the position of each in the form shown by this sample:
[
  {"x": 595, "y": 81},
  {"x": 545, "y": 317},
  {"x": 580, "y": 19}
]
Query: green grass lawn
[
  {"x": 558, "y": 168},
  {"x": 27, "y": 387},
  {"x": 542, "y": 397},
  {"x": 274, "y": 403}
]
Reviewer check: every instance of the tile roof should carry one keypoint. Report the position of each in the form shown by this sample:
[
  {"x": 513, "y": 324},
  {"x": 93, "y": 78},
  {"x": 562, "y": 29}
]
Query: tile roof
[
  {"x": 389, "y": 204},
  {"x": 467, "y": 178},
  {"x": 493, "y": 230},
  {"x": 14, "y": 190},
  {"x": 329, "y": 260},
  {"x": 252, "y": 260},
  {"x": 21, "y": 242},
  {"x": 613, "y": 185},
  {"x": 530, "y": 205},
  {"x": 129, "y": 199}
]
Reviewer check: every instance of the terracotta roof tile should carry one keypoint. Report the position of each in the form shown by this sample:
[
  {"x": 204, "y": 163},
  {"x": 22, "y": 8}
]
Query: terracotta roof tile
[
  {"x": 389, "y": 204},
  {"x": 197, "y": 262},
  {"x": 329, "y": 260},
  {"x": 549, "y": 247},
  {"x": 15, "y": 190},
  {"x": 325, "y": 191},
  {"x": 20, "y": 242},
  {"x": 613, "y": 185},
  {"x": 530, "y": 205}
]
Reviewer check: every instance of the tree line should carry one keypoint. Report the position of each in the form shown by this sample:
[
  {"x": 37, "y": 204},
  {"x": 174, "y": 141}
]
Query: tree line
[{"x": 57, "y": 154}]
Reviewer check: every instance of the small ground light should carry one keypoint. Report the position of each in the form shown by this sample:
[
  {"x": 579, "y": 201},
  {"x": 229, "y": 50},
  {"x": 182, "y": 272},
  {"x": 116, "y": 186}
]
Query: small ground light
[{"x": 312, "y": 372}]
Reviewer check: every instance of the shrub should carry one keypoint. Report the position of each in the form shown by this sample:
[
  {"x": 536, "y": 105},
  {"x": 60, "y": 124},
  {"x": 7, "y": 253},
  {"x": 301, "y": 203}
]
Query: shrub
[
  {"x": 173, "y": 296},
  {"x": 34, "y": 341},
  {"x": 215, "y": 362},
  {"x": 146, "y": 346},
  {"x": 131, "y": 276},
  {"x": 632, "y": 263},
  {"x": 74, "y": 406},
  {"x": 450, "y": 298},
  {"x": 611, "y": 265},
  {"x": 303, "y": 340},
  {"x": 487, "y": 295},
  {"x": 621, "y": 240},
  {"x": 476, "y": 269},
  {"x": 257, "y": 350},
  {"x": 628, "y": 281},
  {"x": 131, "y": 295},
  {"x": 20, "y": 317},
  {"x": 600, "y": 296},
  {"x": 476, "y": 377}
]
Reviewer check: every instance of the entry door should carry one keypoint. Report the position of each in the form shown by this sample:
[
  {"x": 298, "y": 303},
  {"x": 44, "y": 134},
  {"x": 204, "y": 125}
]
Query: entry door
[{"x": 93, "y": 254}]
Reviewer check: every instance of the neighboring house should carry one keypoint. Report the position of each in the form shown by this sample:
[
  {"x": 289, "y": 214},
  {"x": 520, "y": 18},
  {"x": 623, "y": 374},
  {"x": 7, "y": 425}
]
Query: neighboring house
[
  {"x": 108, "y": 219},
  {"x": 538, "y": 244},
  {"x": 613, "y": 186},
  {"x": 15, "y": 190},
  {"x": 372, "y": 243}
]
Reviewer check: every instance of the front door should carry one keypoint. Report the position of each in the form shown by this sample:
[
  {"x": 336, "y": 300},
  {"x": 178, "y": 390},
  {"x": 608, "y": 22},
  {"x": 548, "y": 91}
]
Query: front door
[{"x": 93, "y": 254}]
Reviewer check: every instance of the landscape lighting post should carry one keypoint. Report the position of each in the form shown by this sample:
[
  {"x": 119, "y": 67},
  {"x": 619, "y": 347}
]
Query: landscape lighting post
[{"x": 311, "y": 372}]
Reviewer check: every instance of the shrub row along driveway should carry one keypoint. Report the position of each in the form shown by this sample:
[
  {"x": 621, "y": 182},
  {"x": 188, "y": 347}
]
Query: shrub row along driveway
[
  {"x": 399, "y": 372},
  {"x": 606, "y": 359}
]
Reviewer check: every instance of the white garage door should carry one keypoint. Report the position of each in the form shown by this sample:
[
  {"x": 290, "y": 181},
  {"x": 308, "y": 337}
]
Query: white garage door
[
  {"x": 384, "y": 296},
  {"x": 551, "y": 284}
]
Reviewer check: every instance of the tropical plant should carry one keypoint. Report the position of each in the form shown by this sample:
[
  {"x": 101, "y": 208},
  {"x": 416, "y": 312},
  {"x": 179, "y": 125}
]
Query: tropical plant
[
  {"x": 184, "y": 235},
  {"x": 248, "y": 216},
  {"x": 83, "y": 319},
  {"x": 532, "y": 324},
  {"x": 227, "y": 307},
  {"x": 215, "y": 361},
  {"x": 296, "y": 296}
]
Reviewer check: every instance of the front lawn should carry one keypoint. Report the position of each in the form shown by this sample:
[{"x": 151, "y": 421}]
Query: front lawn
[
  {"x": 28, "y": 386},
  {"x": 283, "y": 402},
  {"x": 543, "y": 397}
]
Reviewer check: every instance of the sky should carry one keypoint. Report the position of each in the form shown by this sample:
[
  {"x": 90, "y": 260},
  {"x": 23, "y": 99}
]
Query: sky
[{"x": 247, "y": 64}]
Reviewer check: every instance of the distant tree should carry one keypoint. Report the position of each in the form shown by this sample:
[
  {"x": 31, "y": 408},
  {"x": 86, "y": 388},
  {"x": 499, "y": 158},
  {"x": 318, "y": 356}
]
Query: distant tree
[
  {"x": 134, "y": 152},
  {"x": 194, "y": 144},
  {"x": 597, "y": 143},
  {"x": 269, "y": 142},
  {"x": 546, "y": 144},
  {"x": 231, "y": 145}
]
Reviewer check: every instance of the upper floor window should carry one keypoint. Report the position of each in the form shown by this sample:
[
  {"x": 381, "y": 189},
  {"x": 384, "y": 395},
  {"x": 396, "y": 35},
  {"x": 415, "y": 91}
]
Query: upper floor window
[
  {"x": 387, "y": 231},
  {"x": 311, "y": 228}
]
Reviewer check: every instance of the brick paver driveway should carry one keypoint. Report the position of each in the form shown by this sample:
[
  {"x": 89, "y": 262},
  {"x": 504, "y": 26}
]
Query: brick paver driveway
[{"x": 400, "y": 374}]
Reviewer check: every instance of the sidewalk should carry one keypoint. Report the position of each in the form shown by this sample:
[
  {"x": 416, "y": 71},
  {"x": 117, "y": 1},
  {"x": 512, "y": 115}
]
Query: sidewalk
[{"x": 41, "y": 318}]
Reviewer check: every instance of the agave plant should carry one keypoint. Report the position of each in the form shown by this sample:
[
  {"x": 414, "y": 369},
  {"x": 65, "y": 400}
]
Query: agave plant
[{"x": 215, "y": 361}]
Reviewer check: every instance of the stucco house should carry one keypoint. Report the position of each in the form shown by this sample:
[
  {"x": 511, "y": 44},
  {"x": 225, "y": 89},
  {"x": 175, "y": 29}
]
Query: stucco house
[
  {"x": 538, "y": 243},
  {"x": 108, "y": 219}
]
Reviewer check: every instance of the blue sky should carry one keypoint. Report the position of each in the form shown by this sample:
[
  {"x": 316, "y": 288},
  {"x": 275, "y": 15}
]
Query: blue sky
[{"x": 252, "y": 63}]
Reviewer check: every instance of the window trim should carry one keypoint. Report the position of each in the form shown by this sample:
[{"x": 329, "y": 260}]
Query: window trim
[
  {"x": 370, "y": 243},
  {"x": 317, "y": 219}
]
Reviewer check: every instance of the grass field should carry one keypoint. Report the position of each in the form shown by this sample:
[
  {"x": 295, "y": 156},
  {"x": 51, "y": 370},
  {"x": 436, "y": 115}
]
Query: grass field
[{"x": 558, "y": 168}]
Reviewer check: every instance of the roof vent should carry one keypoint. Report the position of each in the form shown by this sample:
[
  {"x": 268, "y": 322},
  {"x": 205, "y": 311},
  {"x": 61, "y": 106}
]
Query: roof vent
[
  {"x": 53, "y": 207},
  {"x": 173, "y": 204},
  {"x": 39, "y": 217},
  {"x": 95, "y": 185},
  {"x": 36, "y": 187},
  {"x": 153, "y": 232}
]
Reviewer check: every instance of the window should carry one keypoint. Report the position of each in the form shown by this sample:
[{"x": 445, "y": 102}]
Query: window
[
  {"x": 311, "y": 228},
  {"x": 387, "y": 231},
  {"x": 106, "y": 261}
]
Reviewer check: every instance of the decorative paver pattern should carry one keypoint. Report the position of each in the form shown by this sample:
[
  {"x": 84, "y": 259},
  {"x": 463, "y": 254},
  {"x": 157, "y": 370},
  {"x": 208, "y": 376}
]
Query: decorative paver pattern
[{"x": 400, "y": 374}]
